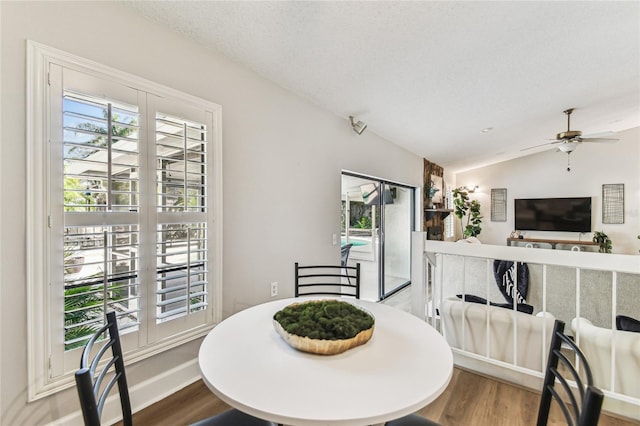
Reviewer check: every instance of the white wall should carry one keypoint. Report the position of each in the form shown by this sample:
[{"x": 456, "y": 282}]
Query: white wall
[
  {"x": 282, "y": 162},
  {"x": 545, "y": 175}
]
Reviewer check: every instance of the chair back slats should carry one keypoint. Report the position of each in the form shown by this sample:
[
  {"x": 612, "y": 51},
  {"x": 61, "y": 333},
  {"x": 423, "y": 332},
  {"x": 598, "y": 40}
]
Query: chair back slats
[
  {"x": 323, "y": 293},
  {"x": 327, "y": 280},
  {"x": 582, "y": 359},
  {"x": 583, "y": 410},
  {"x": 325, "y": 275},
  {"x": 93, "y": 371},
  {"x": 353, "y": 268},
  {"x": 580, "y": 385},
  {"x": 573, "y": 401},
  {"x": 97, "y": 382},
  {"x": 564, "y": 407},
  {"x": 85, "y": 358},
  {"x": 107, "y": 389}
]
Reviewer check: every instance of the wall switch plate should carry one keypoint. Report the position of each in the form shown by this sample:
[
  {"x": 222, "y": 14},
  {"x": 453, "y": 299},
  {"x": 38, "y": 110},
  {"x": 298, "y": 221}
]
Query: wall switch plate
[
  {"x": 335, "y": 239},
  {"x": 274, "y": 289}
]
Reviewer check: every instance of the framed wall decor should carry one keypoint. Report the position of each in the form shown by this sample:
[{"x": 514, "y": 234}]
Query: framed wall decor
[
  {"x": 498, "y": 204},
  {"x": 436, "y": 182},
  {"x": 613, "y": 203}
]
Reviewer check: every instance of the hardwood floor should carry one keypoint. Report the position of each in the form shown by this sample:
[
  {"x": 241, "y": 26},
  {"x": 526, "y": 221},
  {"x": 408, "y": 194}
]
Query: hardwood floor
[
  {"x": 469, "y": 400},
  {"x": 472, "y": 399}
]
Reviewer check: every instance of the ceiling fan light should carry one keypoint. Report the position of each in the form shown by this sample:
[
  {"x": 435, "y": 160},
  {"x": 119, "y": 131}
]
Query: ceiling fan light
[{"x": 568, "y": 147}]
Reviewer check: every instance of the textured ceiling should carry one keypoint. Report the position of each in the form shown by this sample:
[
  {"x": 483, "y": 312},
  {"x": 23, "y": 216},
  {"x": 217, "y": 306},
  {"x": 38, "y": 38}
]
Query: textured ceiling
[{"x": 429, "y": 76}]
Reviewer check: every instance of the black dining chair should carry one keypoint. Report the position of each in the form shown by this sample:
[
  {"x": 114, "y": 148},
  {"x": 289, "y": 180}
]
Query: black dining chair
[
  {"x": 90, "y": 390},
  {"x": 412, "y": 420},
  {"x": 93, "y": 372},
  {"x": 580, "y": 405},
  {"x": 344, "y": 255},
  {"x": 327, "y": 280},
  {"x": 233, "y": 417}
]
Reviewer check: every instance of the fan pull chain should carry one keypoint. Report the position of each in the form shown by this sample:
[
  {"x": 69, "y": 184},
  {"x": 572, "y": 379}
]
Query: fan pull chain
[{"x": 568, "y": 161}]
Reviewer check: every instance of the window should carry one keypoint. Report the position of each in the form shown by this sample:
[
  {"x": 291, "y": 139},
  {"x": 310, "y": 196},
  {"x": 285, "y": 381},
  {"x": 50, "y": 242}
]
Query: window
[
  {"x": 124, "y": 184},
  {"x": 449, "y": 220}
]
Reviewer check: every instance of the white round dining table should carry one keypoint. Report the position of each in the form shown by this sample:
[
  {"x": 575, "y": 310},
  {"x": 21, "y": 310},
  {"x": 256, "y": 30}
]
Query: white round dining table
[{"x": 406, "y": 365}]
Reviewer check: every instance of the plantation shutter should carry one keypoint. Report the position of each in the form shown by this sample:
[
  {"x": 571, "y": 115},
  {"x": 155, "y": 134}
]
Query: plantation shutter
[
  {"x": 181, "y": 199},
  {"x": 101, "y": 220}
]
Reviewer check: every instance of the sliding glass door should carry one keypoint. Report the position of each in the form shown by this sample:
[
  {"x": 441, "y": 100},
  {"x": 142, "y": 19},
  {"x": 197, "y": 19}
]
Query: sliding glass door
[
  {"x": 397, "y": 219},
  {"x": 377, "y": 220}
]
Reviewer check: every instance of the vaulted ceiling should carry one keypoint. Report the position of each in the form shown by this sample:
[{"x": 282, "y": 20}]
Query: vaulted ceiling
[{"x": 430, "y": 76}]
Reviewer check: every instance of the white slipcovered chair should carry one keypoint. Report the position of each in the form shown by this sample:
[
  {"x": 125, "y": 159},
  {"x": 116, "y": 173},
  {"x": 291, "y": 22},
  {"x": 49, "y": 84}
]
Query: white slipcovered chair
[
  {"x": 597, "y": 343},
  {"x": 532, "y": 350}
]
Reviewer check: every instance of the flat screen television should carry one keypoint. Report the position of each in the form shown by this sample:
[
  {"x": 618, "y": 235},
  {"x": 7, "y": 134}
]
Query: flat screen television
[{"x": 553, "y": 214}]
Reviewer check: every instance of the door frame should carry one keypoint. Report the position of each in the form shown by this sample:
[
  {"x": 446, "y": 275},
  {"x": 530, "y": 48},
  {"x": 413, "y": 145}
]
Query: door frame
[{"x": 381, "y": 255}]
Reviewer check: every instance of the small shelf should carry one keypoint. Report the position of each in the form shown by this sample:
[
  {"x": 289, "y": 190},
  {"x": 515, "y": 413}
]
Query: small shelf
[{"x": 430, "y": 213}]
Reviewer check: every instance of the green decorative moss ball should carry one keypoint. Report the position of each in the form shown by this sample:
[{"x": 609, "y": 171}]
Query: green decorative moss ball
[{"x": 324, "y": 319}]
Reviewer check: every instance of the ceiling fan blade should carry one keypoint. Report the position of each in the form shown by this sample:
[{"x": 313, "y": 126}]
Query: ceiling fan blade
[
  {"x": 600, "y": 140},
  {"x": 606, "y": 135},
  {"x": 542, "y": 144}
]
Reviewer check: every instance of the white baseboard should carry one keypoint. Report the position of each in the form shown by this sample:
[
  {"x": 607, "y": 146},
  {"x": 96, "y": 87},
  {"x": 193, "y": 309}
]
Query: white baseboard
[
  {"x": 506, "y": 374},
  {"x": 142, "y": 394}
]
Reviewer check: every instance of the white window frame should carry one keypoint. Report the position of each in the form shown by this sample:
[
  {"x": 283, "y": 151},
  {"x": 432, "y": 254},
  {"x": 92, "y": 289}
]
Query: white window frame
[
  {"x": 44, "y": 379},
  {"x": 449, "y": 221}
]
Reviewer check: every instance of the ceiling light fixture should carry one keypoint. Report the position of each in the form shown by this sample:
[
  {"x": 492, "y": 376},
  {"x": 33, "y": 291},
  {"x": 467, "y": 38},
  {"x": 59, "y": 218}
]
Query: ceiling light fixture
[
  {"x": 358, "y": 126},
  {"x": 568, "y": 147},
  {"x": 486, "y": 129}
]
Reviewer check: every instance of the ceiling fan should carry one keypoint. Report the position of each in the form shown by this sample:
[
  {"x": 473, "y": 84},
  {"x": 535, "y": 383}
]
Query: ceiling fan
[{"x": 569, "y": 140}]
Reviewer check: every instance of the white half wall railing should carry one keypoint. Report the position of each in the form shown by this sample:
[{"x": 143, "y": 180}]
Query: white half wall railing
[{"x": 586, "y": 290}]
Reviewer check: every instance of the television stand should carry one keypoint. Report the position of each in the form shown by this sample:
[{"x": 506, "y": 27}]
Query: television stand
[{"x": 552, "y": 243}]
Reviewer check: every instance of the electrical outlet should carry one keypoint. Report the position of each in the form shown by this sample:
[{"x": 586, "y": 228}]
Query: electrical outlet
[{"x": 274, "y": 289}]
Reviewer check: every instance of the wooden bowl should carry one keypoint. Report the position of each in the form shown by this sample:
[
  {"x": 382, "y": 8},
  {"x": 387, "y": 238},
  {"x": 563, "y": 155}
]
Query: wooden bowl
[{"x": 323, "y": 346}]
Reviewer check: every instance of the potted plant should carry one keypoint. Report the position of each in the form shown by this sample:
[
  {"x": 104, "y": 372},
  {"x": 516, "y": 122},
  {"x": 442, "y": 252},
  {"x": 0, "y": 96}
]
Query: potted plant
[
  {"x": 431, "y": 192},
  {"x": 603, "y": 241},
  {"x": 464, "y": 207},
  {"x": 363, "y": 223}
]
